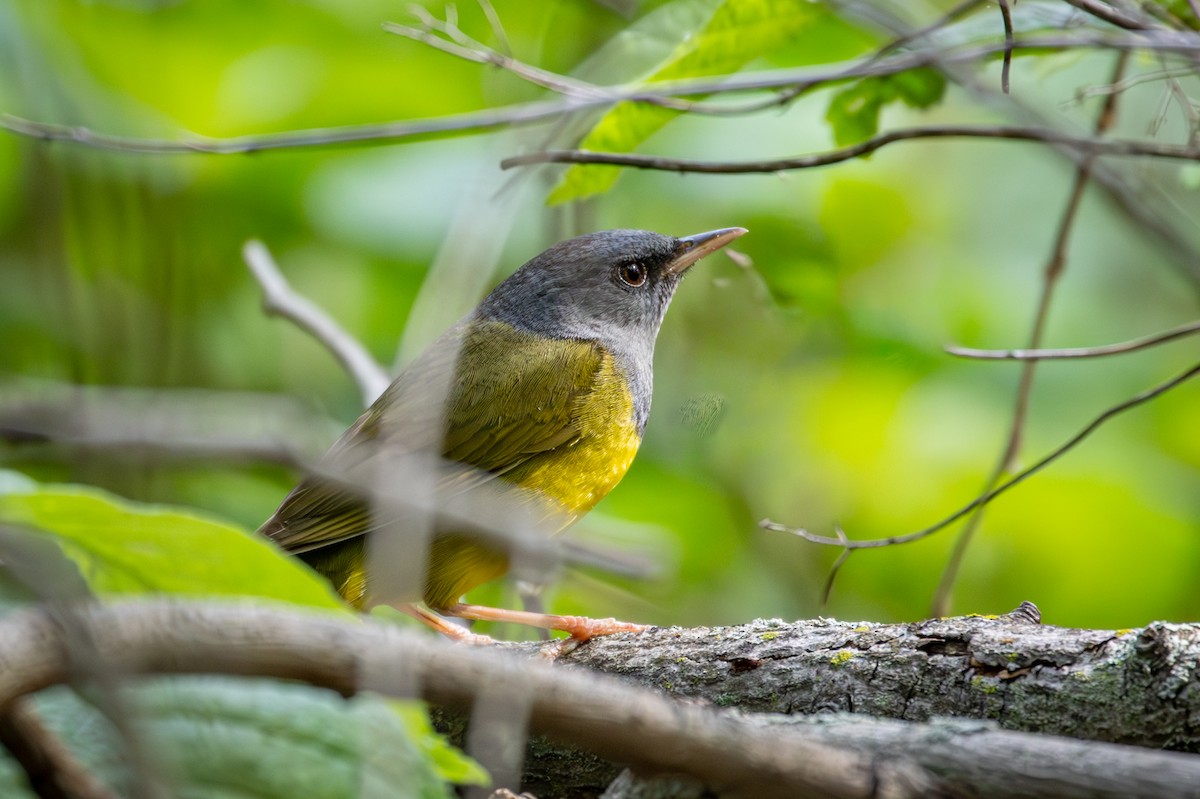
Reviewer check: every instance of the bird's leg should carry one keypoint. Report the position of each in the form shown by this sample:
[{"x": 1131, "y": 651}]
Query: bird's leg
[
  {"x": 580, "y": 628},
  {"x": 447, "y": 628}
]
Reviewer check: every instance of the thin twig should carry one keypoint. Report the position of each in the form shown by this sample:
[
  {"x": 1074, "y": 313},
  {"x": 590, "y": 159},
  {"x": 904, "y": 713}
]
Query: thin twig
[
  {"x": 279, "y": 299},
  {"x": 984, "y": 499},
  {"x": 1076, "y": 352},
  {"x": 1051, "y": 275},
  {"x": 498, "y": 31},
  {"x": 951, "y": 16},
  {"x": 1110, "y": 15},
  {"x": 1140, "y": 79},
  {"x": 477, "y": 52},
  {"x": 664, "y": 93},
  {"x": 1084, "y": 144},
  {"x": 469, "y": 122},
  {"x": 1006, "y": 16},
  {"x": 836, "y": 568}
]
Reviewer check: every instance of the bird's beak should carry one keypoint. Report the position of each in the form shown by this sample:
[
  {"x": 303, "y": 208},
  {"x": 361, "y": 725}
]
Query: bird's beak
[{"x": 693, "y": 248}]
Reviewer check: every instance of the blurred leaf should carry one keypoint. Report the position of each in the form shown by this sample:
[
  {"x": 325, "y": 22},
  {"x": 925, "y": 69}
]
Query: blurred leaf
[
  {"x": 123, "y": 547},
  {"x": 854, "y": 111},
  {"x": 738, "y": 32},
  {"x": 221, "y": 736},
  {"x": 450, "y": 763},
  {"x": 230, "y": 737},
  {"x": 863, "y": 221}
]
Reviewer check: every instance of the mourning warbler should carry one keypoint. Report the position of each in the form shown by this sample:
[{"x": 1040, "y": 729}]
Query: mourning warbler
[{"x": 543, "y": 390}]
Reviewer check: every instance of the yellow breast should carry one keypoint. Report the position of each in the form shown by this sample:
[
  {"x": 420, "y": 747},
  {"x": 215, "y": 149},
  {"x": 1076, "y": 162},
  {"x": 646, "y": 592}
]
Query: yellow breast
[
  {"x": 579, "y": 474},
  {"x": 567, "y": 480}
]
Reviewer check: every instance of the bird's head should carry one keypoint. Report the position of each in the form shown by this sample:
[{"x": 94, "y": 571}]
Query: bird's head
[{"x": 613, "y": 286}]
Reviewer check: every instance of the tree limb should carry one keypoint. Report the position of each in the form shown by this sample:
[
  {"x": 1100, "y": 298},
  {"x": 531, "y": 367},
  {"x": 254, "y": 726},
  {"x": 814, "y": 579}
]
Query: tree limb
[
  {"x": 1088, "y": 145},
  {"x": 279, "y": 299},
  {"x": 1132, "y": 686}
]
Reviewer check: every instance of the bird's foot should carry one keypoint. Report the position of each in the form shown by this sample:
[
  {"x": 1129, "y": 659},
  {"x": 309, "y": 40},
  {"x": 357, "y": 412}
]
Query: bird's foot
[
  {"x": 454, "y": 632},
  {"x": 580, "y": 628}
]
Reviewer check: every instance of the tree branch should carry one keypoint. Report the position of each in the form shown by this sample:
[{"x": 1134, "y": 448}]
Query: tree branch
[
  {"x": 279, "y": 299},
  {"x": 1087, "y": 145},
  {"x": 348, "y": 657},
  {"x": 1056, "y": 263},
  {"x": 662, "y": 93},
  {"x": 1027, "y": 675},
  {"x": 1076, "y": 352},
  {"x": 988, "y": 496}
]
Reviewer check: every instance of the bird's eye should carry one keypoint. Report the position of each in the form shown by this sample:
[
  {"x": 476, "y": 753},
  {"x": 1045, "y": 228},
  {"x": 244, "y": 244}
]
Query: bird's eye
[{"x": 633, "y": 274}]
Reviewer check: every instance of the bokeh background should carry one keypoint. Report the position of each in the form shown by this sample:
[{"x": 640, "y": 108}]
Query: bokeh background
[{"x": 811, "y": 389}]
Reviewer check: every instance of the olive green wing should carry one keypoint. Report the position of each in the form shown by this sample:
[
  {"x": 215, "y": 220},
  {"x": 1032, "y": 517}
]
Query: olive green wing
[
  {"x": 507, "y": 397},
  {"x": 518, "y": 396}
]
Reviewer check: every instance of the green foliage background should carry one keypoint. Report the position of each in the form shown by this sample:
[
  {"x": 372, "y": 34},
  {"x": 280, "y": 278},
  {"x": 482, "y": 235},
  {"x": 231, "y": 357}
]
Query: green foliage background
[{"x": 810, "y": 389}]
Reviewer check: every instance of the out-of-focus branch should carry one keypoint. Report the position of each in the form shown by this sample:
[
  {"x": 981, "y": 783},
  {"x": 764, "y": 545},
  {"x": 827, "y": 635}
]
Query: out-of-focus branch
[
  {"x": 1076, "y": 352},
  {"x": 51, "y": 768},
  {"x": 987, "y": 497},
  {"x": 662, "y": 93},
  {"x": 601, "y": 714},
  {"x": 279, "y": 299},
  {"x": 1111, "y": 15},
  {"x": 469, "y": 49}
]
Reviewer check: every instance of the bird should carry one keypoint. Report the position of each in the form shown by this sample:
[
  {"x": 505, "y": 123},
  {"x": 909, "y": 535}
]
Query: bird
[{"x": 537, "y": 400}]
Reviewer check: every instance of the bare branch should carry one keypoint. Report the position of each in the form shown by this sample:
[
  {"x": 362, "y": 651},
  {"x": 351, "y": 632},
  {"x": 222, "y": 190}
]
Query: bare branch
[
  {"x": 1110, "y": 15},
  {"x": 953, "y": 15},
  {"x": 472, "y": 121},
  {"x": 609, "y": 717},
  {"x": 985, "y": 498},
  {"x": 279, "y": 299},
  {"x": 51, "y": 768},
  {"x": 1076, "y": 352},
  {"x": 470, "y": 50},
  {"x": 1006, "y": 15},
  {"x": 665, "y": 93},
  {"x": 1083, "y": 144},
  {"x": 1142, "y": 78},
  {"x": 734, "y": 755},
  {"x": 1051, "y": 274}
]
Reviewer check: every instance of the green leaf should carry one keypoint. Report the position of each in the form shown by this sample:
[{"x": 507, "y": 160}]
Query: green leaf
[
  {"x": 738, "y": 32},
  {"x": 451, "y": 763},
  {"x": 123, "y": 548},
  {"x": 239, "y": 738},
  {"x": 853, "y": 112}
]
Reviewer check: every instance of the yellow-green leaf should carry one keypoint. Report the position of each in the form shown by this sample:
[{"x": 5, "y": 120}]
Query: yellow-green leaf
[
  {"x": 738, "y": 32},
  {"x": 853, "y": 112},
  {"x": 450, "y": 763},
  {"x": 123, "y": 548}
]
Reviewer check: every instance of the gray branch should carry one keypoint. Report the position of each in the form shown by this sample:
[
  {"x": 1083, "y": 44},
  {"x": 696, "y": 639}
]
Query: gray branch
[{"x": 1138, "y": 686}]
